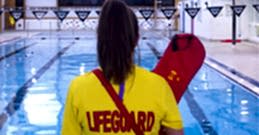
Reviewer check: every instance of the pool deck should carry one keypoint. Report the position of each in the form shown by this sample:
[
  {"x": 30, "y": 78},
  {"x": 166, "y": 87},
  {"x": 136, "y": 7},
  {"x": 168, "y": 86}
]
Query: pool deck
[{"x": 239, "y": 62}]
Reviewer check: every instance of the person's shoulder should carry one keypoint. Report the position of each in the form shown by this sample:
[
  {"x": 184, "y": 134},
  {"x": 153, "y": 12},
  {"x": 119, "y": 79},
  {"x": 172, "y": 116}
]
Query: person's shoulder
[
  {"x": 148, "y": 75},
  {"x": 84, "y": 79},
  {"x": 152, "y": 82}
]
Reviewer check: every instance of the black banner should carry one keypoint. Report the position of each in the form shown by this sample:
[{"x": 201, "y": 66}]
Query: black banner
[
  {"x": 168, "y": 12},
  {"x": 238, "y": 10},
  {"x": 39, "y": 14},
  {"x": 76, "y": 3},
  {"x": 61, "y": 15},
  {"x": 256, "y": 7},
  {"x": 82, "y": 15},
  {"x": 16, "y": 14},
  {"x": 146, "y": 13},
  {"x": 99, "y": 3},
  {"x": 98, "y": 12},
  {"x": 192, "y": 12},
  {"x": 215, "y": 10},
  {"x": 146, "y": 3}
]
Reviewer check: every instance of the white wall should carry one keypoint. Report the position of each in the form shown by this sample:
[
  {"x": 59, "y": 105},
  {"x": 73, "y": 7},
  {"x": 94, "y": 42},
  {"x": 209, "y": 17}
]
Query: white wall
[
  {"x": 49, "y": 23},
  {"x": 72, "y": 22},
  {"x": 221, "y": 27},
  {"x": 253, "y": 24}
]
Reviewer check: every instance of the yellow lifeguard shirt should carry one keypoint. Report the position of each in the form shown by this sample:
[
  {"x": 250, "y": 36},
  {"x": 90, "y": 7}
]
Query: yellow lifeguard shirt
[{"x": 90, "y": 110}]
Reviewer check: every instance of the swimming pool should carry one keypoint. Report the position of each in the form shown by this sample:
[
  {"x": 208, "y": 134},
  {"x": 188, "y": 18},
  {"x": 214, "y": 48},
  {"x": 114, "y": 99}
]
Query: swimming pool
[{"x": 35, "y": 74}]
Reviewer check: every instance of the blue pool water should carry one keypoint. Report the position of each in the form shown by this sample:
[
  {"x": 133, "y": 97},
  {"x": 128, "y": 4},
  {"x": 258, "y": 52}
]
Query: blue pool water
[{"x": 35, "y": 75}]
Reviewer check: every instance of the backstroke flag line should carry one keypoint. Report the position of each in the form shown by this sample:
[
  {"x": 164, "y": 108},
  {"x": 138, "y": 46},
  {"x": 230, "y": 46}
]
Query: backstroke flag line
[
  {"x": 215, "y": 10},
  {"x": 146, "y": 13},
  {"x": 98, "y": 12},
  {"x": 82, "y": 15},
  {"x": 168, "y": 12},
  {"x": 238, "y": 9},
  {"x": 256, "y": 7},
  {"x": 61, "y": 14},
  {"x": 16, "y": 14},
  {"x": 192, "y": 12},
  {"x": 39, "y": 14}
]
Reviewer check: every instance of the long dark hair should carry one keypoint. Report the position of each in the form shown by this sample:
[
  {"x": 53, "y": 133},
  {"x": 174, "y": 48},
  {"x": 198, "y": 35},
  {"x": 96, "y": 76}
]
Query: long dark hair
[
  {"x": 115, "y": 41},
  {"x": 134, "y": 20},
  {"x": 136, "y": 31}
]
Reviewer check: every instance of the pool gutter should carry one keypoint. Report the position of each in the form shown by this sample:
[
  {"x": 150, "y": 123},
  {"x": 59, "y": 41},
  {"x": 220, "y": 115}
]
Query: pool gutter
[{"x": 249, "y": 83}]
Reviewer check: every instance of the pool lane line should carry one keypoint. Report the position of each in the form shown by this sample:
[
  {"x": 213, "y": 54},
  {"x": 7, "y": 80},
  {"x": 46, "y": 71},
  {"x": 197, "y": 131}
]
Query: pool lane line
[
  {"x": 195, "y": 109},
  {"x": 16, "y": 51},
  {"x": 154, "y": 50},
  {"x": 199, "y": 115},
  {"x": 234, "y": 72},
  {"x": 16, "y": 101}
]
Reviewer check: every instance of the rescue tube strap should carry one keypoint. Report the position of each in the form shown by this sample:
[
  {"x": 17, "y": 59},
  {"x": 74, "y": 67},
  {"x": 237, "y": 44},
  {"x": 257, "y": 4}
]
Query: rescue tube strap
[{"x": 118, "y": 102}]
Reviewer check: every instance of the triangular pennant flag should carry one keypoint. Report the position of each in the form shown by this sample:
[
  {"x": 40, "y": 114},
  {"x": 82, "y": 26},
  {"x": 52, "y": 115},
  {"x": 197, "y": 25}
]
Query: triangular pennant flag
[
  {"x": 256, "y": 7},
  {"x": 39, "y": 14},
  {"x": 82, "y": 15},
  {"x": 61, "y": 14},
  {"x": 192, "y": 12},
  {"x": 215, "y": 10},
  {"x": 238, "y": 9},
  {"x": 16, "y": 14},
  {"x": 98, "y": 12},
  {"x": 168, "y": 12},
  {"x": 146, "y": 13}
]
